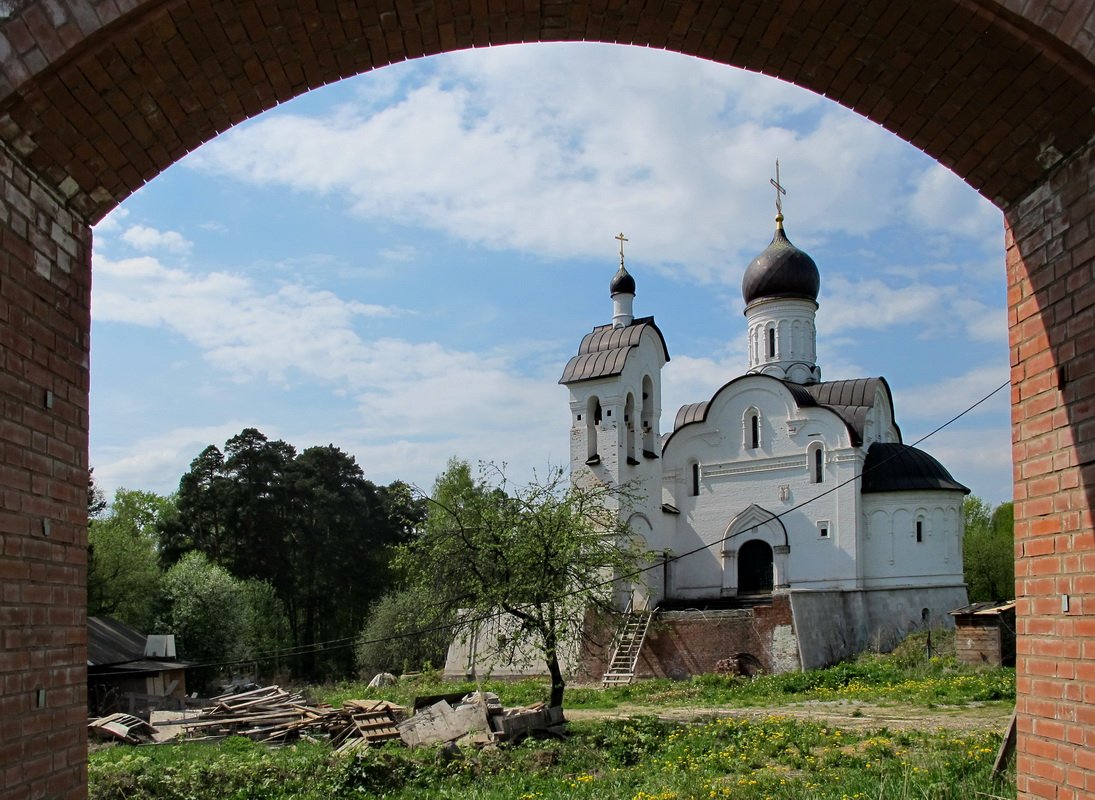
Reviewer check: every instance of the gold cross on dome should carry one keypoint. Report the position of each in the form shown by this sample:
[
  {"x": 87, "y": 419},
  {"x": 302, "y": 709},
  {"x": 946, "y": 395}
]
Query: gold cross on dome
[
  {"x": 779, "y": 190},
  {"x": 620, "y": 236}
]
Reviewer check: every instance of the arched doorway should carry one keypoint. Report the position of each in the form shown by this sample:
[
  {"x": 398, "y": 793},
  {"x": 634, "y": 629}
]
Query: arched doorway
[
  {"x": 755, "y": 568},
  {"x": 96, "y": 99}
]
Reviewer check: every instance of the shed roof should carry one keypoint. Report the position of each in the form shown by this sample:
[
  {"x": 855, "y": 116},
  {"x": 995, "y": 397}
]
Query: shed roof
[
  {"x": 988, "y": 608},
  {"x": 112, "y": 642}
]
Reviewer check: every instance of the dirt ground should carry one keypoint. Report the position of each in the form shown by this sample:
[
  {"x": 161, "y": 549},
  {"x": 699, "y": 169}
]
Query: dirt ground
[{"x": 840, "y": 713}]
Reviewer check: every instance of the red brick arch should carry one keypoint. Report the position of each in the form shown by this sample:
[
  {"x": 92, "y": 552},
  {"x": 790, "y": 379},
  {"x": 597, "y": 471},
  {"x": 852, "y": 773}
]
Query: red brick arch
[{"x": 99, "y": 96}]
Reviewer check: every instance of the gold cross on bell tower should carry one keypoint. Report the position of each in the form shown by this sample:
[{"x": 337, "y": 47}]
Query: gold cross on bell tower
[
  {"x": 620, "y": 236},
  {"x": 779, "y": 191}
]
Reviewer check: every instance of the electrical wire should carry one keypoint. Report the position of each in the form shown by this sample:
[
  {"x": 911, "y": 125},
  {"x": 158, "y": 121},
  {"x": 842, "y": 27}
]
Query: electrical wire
[{"x": 350, "y": 641}]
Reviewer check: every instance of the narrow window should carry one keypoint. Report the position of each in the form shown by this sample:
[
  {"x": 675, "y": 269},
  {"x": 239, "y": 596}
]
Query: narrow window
[
  {"x": 818, "y": 459},
  {"x": 771, "y": 343},
  {"x": 920, "y": 530},
  {"x": 695, "y": 480},
  {"x": 754, "y": 431}
]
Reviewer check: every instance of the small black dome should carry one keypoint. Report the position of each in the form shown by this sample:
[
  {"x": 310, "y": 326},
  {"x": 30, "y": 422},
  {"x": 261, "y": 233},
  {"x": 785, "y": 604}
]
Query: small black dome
[
  {"x": 622, "y": 282},
  {"x": 782, "y": 270},
  {"x": 894, "y": 467}
]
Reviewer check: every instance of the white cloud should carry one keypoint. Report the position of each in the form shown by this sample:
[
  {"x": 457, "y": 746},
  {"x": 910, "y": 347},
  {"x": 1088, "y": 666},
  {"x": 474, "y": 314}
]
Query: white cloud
[
  {"x": 947, "y": 397},
  {"x": 516, "y": 148},
  {"x": 940, "y": 201},
  {"x": 156, "y": 463},
  {"x": 146, "y": 239},
  {"x": 112, "y": 221}
]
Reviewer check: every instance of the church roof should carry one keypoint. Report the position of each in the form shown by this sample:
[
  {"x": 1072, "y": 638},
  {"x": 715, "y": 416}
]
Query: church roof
[
  {"x": 603, "y": 352},
  {"x": 895, "y": 467},
  {"x": 782, "y": 270},
  {"x": 622, "y": 282},
  {"x": 851, "y": 400}
]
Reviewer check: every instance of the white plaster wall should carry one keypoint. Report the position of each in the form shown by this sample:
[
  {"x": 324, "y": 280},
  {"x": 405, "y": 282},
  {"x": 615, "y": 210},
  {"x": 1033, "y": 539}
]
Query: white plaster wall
[
  {"x": 775, "y": 476},
  {"x": 891, "y": 554},
  {"x": 641, "y": 482},
  {"x": 796, "y": 338}
]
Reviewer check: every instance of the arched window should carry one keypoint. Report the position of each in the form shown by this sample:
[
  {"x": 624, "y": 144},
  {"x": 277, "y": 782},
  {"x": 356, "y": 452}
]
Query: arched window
[
  {"x": 593, "y": 419},
  {"x": 649, "y": 445},
  {"x": 919, "y": 529},
  {"x": 751, "y": 429},
  {"x": 772, "y": 342},
  {"x": 815, "y": 462},
  {"x": 629, "y": 429},
  {"x": 695, "y": 479}
]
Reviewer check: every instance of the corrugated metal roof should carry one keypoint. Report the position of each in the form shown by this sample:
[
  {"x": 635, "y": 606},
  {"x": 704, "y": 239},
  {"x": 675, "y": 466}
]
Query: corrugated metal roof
[
  {"x": 603, "y": 352},
  {"x": 112, "y": 642},
  {"x": 693, "y": 412},
  {"x": 851, "y": 400},
  {"x": 895, "y": 467}
]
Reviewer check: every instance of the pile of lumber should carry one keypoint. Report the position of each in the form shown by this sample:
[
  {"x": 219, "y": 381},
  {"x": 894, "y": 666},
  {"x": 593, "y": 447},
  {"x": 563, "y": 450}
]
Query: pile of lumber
[
  {"x": 275, "y": 716},
  {"x": 265, "y": 714}
]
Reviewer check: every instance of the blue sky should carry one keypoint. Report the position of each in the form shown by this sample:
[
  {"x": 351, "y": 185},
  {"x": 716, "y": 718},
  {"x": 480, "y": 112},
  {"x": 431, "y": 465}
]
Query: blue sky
[{"x": 402, "y": 263}]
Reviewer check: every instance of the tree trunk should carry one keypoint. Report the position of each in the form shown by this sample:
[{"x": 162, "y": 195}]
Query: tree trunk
[{"x": 558, "y": 685}]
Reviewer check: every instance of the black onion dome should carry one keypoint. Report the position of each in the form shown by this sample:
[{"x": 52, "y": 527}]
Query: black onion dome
[
  {"x": 622, "y": 282},
  {"x": 782, "y": 270},
  {"x": 894, "y": 467}
]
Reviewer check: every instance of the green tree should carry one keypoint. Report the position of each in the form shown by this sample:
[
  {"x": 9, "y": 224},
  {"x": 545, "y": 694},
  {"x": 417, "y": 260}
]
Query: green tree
[
  {"x": 310, "y": 525},
  {"x": 988, "y": 550},
  {"x": 266, "y": 634},
  {"x": 123, "y": 579},
  {"x": 399, "y": 636},
  {"x": 206, "y": 609},
  {"x": 542, "y": 556}
]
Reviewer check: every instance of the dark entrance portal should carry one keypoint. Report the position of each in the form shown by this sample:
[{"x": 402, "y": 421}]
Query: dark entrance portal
[{"x": 755, "y": 568}]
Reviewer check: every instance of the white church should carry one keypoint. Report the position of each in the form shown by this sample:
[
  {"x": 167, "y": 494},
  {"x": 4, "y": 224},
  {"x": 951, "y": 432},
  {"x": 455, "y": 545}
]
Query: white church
[{"x": 789, "y": 525}]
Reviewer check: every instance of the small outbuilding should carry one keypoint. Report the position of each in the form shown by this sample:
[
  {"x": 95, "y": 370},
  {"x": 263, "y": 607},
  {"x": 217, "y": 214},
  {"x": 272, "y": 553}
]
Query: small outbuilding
[
  {"x": 985, "y": 633},
  {"x": 127, "y": 670}
]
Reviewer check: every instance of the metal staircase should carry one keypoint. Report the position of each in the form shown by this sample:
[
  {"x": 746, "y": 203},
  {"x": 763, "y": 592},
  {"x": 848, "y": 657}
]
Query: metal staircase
[{"x": 629, "y": 643}]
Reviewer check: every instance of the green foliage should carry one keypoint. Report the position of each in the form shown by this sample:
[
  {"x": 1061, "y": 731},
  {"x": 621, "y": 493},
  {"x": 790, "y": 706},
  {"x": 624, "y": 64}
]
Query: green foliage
[
  {"x": 392, "y": 639},
  {"x": 642, "y": 758},
  {"x": 206, "y": 610},
  {"x": 538, "y": 557},
  {"x": 123, "y": 578},
  {"x": 908, "y": 677},
  {"x": 266, "y": 627},
  {"x": 988, "y": 550},
  {"x": 309, "y": 525}
]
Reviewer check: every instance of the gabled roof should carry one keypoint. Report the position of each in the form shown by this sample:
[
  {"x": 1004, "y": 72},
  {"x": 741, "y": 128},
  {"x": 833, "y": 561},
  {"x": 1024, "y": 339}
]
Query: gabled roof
[
  {"x": 603, "y": 352},
  {"x": 851, "y": 400}
]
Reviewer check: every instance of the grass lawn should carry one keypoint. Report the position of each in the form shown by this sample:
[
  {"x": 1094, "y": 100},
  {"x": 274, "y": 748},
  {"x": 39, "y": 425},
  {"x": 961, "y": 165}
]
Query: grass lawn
[{"x": 767, "y": 756}]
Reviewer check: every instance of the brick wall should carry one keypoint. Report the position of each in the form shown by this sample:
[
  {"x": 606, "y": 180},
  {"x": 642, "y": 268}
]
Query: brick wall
[
  {"x": 681, "y": 644},
  {"x": 1051, "y": 301},
  {"x": 44, "y": 292}
]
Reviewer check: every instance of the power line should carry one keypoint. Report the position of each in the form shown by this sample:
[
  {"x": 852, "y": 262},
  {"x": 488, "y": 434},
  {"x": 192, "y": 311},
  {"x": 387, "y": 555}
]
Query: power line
[{"x": 350, "y": 640}]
